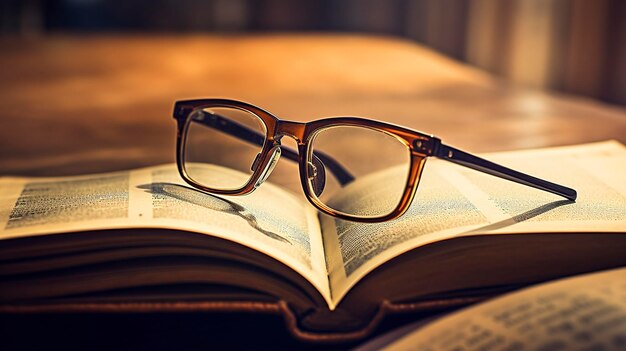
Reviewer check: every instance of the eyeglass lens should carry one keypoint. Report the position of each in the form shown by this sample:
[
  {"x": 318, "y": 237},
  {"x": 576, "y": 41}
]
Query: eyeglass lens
[
  {"x": 379, "y": 162},
  {"x": 205, "y": 161}
]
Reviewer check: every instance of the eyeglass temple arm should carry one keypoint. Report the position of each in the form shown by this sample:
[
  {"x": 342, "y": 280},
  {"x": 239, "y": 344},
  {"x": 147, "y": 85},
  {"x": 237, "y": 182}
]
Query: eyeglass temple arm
[
  {"x": 465, "y": 159},
  {"x": 224, "y": 124}
]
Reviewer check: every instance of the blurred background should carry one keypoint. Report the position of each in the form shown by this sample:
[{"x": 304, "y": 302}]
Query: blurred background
[{"x": 574, "y": 46}]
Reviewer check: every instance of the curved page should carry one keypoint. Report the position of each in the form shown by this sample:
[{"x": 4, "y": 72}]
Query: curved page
[
  {"x": 582, "y": 313},
  {"x": 270, "y": 220},
  {"x": 452, "y": 201}
]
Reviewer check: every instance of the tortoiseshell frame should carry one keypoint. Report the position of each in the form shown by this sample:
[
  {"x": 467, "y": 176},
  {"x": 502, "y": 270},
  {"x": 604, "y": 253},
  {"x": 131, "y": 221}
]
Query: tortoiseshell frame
[{"x": 419, "y": 145}]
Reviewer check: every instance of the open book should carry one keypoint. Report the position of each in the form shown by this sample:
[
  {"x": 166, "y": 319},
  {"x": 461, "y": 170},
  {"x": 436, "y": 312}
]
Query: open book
[
  {"x": 586, "y": 312},
  {"x": 142, "y": 236}
]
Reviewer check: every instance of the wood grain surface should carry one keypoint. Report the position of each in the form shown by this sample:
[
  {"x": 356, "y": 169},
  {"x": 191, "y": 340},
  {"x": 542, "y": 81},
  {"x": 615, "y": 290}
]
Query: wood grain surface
[{"x": 78, "y": 104}]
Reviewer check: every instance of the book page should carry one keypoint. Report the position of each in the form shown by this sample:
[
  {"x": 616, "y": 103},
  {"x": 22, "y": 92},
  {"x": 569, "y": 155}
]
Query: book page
[
  {"x": 452, "y": 200},
  {"x": 269, "y": 220},
  {"x": 582, "y": 313}
]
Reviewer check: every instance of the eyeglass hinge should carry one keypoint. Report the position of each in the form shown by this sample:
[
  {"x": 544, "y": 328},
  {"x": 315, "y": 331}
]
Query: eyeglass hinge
[
  {"x": 181, "y": 111},
  {"x": 429, "y": 147}
]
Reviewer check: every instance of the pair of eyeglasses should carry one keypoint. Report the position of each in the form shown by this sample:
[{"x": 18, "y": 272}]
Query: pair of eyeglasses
[{"x": 352, "y": 168}]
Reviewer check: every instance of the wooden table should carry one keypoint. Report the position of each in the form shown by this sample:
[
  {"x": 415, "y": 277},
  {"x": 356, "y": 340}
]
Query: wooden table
[
  {"x": 74, "y": 105},
  {"x": 89, "y": 104}
]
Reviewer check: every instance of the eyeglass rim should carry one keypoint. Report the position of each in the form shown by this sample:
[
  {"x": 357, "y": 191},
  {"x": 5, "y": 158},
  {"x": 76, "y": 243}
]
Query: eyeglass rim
[{"x": 303, "y": 133}]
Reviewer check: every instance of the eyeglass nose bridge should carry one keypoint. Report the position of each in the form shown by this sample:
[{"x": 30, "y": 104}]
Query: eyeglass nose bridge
[
  {"x": 296, "y": 131},
  {"x": 291, "y": 129}
]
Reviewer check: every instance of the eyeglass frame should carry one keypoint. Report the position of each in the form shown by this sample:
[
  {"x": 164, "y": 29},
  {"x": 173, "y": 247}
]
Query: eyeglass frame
[{"x": 420, "y": 146}]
